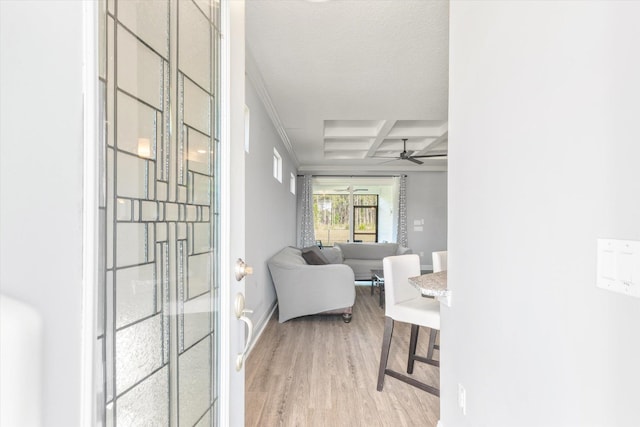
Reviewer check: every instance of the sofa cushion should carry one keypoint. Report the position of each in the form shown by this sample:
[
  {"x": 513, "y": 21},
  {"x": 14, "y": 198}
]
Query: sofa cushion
[
  {"x": 313, "y": 256},
  {"x": 367, "y": 250}
]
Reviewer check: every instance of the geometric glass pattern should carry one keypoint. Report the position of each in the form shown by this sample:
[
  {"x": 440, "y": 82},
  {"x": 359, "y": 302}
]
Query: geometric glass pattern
[{"x": 158, "y": 305}]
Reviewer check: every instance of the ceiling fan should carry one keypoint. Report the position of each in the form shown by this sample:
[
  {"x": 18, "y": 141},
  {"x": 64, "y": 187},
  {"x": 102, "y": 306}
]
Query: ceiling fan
[
  {"x": 349, "y": 189},
  {"x": 408, "y": 155}
]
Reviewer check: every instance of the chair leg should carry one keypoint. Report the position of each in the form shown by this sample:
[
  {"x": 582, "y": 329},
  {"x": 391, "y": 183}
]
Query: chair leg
[
  {"x": 432, "y": 343},
  {"x": 384, "y": 354},
  {"x": 413, "y": 342}
]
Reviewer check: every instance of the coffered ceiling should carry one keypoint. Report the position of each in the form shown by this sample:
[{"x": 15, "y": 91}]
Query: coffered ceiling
[{"x": 344, "y": 81}]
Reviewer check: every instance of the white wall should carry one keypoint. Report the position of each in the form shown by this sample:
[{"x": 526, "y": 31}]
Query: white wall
[
  {"x": 543, "y": 160},
  {"x": 270, "y": 207},
  {"x": 427, "y": 200},
  {"x": 41, "y": 184}
]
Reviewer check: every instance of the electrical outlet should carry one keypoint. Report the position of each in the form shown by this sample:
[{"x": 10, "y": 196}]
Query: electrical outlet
[
  {"x": 421, "y": 254},
  {"x": 462, "y": 399}
]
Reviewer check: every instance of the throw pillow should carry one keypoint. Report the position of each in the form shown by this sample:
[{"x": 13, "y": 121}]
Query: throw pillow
[{"x": 313, "y": 256}]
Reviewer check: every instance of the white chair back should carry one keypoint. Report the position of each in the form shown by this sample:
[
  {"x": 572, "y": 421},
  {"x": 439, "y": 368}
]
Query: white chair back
[
  {"x": 439, "y": 261},
  {"x": 397, "y": 270}
]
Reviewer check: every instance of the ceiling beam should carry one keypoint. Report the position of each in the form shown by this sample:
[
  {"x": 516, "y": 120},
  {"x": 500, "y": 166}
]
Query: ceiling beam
[
  {"x": 433, "y": 143},
  {"x": 383, "y": 132}
]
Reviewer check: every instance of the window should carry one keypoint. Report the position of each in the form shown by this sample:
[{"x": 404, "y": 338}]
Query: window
[
  {"x": 348, "y": 209},
  {"x": 277, "y": 165},
  {"x": 365, "y": 218},
  {"x": 292, "y": 183},
  {"x": 331, "y": 218}
]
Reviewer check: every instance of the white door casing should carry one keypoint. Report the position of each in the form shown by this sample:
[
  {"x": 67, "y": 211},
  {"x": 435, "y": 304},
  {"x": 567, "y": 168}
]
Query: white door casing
[{"x": 232, "y": 209}]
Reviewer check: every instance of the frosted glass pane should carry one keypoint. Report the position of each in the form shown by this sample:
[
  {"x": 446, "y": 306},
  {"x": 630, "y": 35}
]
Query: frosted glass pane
[
  {"x": 182, "y": 194},
  {"x": 194, "y": 44},
  {"x": 201, "y": 237},
  {"x": 149, "y": 211},
  {"x": 199, "y": 274},
  {"x": 205, "y": 7},
  {"x": 199, "y": 152},
  {"x": 110, "y": 183},
  {"x": 110, "y": 419},
  {"x": 161, "y": 232},
  {"x": 161, "y": 190},
  {"x": 151, "y": 240},
  {"x": 135, "y": 294},
  {"x": 110, "y": 81},
  {"x": 201, "y": 189},
  {"x": 132, "y": 176},
  {"x": 123, "y": 210},
  {"x": 205, "y": 421},
  {"x": 149, "y": 20},
  {"x": 197, "y": 319},
  {"x": 140, "y": 70},
  {"x": 98, "y": 373},
  {"x": 102, "y": 289},
  {"x": 171, "y": 212},
  {"x": 197, "y": 103},
  {"x": 136, "y": 127},
  {"x": 131, "y": 242},
  {"x": 192, "y": 212},
  {"x": 147, "y": 404},
  {"x": 109, "y": 337},
  {"x": 182, "y": 231},
  {"x": 138, "y": 352},
  {"x": 194, "y": 382}
]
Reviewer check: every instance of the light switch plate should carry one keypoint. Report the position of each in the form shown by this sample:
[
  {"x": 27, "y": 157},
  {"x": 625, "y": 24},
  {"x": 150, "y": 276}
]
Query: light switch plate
[{"x": 619, "y": 266}]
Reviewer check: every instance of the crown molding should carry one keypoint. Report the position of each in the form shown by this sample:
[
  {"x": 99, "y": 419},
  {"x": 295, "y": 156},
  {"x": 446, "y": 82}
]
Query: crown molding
[{"x": 253, "y": 74}]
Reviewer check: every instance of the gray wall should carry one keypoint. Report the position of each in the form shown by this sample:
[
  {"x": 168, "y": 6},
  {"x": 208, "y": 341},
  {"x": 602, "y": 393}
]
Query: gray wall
[
  {"x": 270, "y": 207},
  {"x": 41, "y": 185},
  {"x": 427, "y": 200},
  {"x": 543, "y": 161}
]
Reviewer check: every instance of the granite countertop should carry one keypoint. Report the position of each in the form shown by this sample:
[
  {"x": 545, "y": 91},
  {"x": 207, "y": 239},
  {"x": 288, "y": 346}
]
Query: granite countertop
[{"x": 433, "y": 284}]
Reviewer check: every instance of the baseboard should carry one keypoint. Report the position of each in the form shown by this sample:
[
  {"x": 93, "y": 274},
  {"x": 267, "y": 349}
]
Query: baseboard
[{"x": 261, "y": 325}]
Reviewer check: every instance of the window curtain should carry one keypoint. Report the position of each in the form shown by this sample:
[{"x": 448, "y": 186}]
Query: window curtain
[
  {"x": 402, "y": 212},
  {"x": 306, "y": 232}
]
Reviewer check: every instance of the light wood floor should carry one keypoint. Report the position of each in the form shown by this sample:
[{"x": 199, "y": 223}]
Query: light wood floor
[{"x": 320, "y": 371}]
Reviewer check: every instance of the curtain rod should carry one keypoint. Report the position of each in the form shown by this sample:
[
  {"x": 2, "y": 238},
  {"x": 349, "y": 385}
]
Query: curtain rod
[{"x": 355, "y": 176}]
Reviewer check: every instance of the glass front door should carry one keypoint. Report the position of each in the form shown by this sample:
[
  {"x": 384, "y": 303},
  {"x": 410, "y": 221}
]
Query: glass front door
[{"x": 157, "y": 339}]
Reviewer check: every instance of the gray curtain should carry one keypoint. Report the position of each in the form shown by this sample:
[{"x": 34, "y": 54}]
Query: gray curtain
[
  {"x": 402, "y": 212},
  {"x": 306, "y": 232}
]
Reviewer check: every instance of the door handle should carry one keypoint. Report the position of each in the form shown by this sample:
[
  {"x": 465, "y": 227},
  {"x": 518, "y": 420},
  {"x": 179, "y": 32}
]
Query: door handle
[
  {"x": 242, "y": 269},
  {"x": 240, "y": 315}
]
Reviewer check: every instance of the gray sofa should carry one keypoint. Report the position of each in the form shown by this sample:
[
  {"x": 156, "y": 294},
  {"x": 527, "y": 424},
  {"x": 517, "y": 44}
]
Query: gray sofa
[
  {"x": 304, "y": 289},
  {"x": 364, "y": 257}
]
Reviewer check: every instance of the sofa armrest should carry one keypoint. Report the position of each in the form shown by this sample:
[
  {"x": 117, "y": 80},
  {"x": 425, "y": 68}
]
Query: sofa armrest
[
  {"x": 312, "y": 289},
  {"x": 403, "y": 251}
]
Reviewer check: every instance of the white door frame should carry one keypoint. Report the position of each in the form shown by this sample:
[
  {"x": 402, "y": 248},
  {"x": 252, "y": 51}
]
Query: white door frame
[
  {"x": 232, "y": 207},
  {"x": 90, "y": 212}
]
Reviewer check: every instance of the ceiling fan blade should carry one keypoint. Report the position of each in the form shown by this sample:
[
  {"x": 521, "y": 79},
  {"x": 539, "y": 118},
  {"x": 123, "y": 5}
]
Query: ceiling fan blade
[
  {"x": 390, "y": 159},
  {"x": 383, "y": 157},
  {"x": 411, "y": 159},
  {"x": 429, "y": 155}
]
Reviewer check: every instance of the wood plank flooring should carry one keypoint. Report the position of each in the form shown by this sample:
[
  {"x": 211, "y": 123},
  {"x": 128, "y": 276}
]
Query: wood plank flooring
[{"x": 320, "y": 371}]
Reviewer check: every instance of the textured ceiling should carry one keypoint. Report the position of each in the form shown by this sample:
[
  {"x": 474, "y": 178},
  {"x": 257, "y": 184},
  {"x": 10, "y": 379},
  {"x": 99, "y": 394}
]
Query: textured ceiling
[{"x": 348, "y": 79}]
